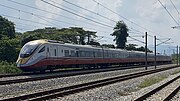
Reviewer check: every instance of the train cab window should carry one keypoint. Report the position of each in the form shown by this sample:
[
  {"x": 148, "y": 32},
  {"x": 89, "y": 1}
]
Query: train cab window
[
  {"x": 66, "y": 53},
  {"x": 28, "y": 49},
  {"x": 42, "y": 50}
]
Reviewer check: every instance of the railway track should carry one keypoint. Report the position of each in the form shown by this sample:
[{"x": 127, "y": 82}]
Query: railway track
[
  {"x": 161, "y": 93},
  {"x": 49, "y": 94},
  {"x": 58, "y": 74},
  {"x": 62, "y": 71}
]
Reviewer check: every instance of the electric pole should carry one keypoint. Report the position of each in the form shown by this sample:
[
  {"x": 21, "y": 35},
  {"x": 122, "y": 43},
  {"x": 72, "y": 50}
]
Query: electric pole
[
  {"x": 146, "y": 50},
  {"x": 177, "y": 55},
  {"x": 155, "y": 52}
]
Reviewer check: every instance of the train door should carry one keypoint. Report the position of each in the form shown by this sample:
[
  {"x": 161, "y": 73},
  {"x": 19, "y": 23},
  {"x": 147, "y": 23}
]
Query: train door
[
  {"x": 55, "y": 49},
  {"x": 48, "y": 55}
]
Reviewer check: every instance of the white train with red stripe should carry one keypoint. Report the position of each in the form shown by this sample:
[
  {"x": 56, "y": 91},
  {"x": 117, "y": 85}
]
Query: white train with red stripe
[{"x": 40, "y": 55}]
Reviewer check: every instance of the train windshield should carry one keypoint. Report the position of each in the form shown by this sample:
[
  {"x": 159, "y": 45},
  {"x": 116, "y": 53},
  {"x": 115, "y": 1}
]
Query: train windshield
[{"x": 28, "y": 49}]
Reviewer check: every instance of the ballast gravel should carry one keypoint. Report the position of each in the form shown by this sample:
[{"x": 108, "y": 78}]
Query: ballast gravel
[
  {"x": 124, "y": 91},
  {"x": 106, "y": 93},
  {"x": 176, "y": 97},
  {"x": 162, "y": 94}
]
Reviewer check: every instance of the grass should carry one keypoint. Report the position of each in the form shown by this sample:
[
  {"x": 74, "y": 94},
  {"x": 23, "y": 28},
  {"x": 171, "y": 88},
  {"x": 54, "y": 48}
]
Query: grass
[
  {"x": 150, "y": 81},
  {"x": 8, "y": 68},
  {"x": 176, "y": 72}
]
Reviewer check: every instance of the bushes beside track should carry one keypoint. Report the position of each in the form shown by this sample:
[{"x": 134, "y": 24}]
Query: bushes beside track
[{"x": 7, "y": 68}]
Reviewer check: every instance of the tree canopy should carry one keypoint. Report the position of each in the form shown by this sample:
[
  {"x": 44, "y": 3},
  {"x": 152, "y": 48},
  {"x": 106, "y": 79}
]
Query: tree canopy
[
  {"x": 121, "y": 34},
  {"x": 9, "y": 41},
  {"x": 74, "y": 35},
  {"x": 7, "y": 28},
  {"x": 133, "y": 47}
]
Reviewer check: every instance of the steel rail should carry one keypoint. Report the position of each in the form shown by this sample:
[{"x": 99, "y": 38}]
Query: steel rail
[
  {"x": 172, "y": 94},
  {"x": 148, "y": 94},
  {"x": 60, "y": 74},
  {"x": 49, "y": 94}
]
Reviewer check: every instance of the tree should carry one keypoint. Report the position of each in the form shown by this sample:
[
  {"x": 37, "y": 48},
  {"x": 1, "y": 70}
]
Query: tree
[
  {"x": 143, "y": 49},
  {"x": 131, "y": 47},
  {"x": 82, "y": 34},
  {"x": 93, "y": 42},
  {"x": 9, "y": 49},
  {"x": 108, "y": 45},
  {"x": 121, "y": 34},
  {"x": 89, "y": 35},
  {"x": 75, "y": 35},
  {"x": 7, "y": 28}
]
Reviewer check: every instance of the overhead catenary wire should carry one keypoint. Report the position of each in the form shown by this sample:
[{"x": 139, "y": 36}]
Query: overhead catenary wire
[
  {"x": 63, "y": 15},
  {"x": 136, "y": 39},
  {"x": 11, "y": 0},
  {"x": 125, "y": 18},
  {"x": 168, "y": 12},
  {"x": 77, "y": 14},
  {"x": 89, "y": 11},
  {"x": 54, "y": 13},
  {"x": 43, "y": 17},
  {"x": 81, "y": 13},
  {"x": 36, "y": 15},
  {"x": 26, "y": 20},
  {"x": 174, "y": 6}
]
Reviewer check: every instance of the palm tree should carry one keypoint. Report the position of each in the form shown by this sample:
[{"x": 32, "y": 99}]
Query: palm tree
[{"x": 120, "y": 33}]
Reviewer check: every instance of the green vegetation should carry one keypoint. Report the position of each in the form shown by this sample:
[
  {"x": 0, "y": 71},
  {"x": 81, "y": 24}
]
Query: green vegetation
[
  {"x": 121, "y": 34},
  {"x": 73, "y": 35},
  {"x": 6, "y": 68},
  {"x": 12, "y": 41},
  {"x": 150, "y": 81},
  {"x": 133, "y": 47},
  {"x": 176, "y": 72}
]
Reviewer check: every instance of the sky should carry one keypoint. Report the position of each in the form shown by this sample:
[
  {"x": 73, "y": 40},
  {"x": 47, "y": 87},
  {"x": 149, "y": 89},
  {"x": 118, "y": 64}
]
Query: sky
[{"x": 101, "y": 16}]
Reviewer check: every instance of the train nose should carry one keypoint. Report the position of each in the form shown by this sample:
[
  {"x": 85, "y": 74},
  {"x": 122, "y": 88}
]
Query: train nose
[{"x": 19, "y": 62}]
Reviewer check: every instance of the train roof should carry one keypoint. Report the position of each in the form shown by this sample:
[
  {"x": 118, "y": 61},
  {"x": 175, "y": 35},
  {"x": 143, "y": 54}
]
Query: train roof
[{"x": 82, "y": 46}]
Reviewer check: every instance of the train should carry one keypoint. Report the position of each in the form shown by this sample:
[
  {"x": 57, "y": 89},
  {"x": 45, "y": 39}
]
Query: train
[{"x": 43, "y": 54}]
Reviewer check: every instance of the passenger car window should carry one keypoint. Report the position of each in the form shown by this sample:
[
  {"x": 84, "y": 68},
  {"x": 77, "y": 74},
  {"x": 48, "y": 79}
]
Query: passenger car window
[{"x": 66, "y": 52}]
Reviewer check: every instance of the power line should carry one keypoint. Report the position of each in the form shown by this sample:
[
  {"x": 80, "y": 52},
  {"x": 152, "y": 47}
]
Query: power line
[
  {"x": 125, "y": 18},
  {"x": 63, "y": 15},
  {"x": 46, "y": 17},
  {"x": 10, "y": 0},
  {"x": 42, "y": 17},
  {"x": 119, "y": 15},
  {"x": 174, "y": 6},
  {"x": 88, "y": 10},
  {"x": 36, "y": 15},
  {"x": 53, "y": 13},
  {"x": 39, "y": 16},
  {"x": 77, "y": 14},
  {"x": 75, "y": 10},
  {"x": 168, "y": 12},
  {"x": 136, "y": 39},
  {"x": 26, "y": 20}
]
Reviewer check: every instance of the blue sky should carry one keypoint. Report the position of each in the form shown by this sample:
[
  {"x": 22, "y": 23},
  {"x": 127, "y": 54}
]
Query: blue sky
[{"x": 148, "y": 14}]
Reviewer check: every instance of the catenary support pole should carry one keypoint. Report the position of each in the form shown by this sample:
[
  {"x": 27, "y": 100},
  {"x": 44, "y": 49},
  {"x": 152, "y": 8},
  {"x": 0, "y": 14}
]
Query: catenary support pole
[
  {"x": 177, "y": 55},
  {"x": 155, "y": 52},
  {"x": 146, "y": 50}
]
